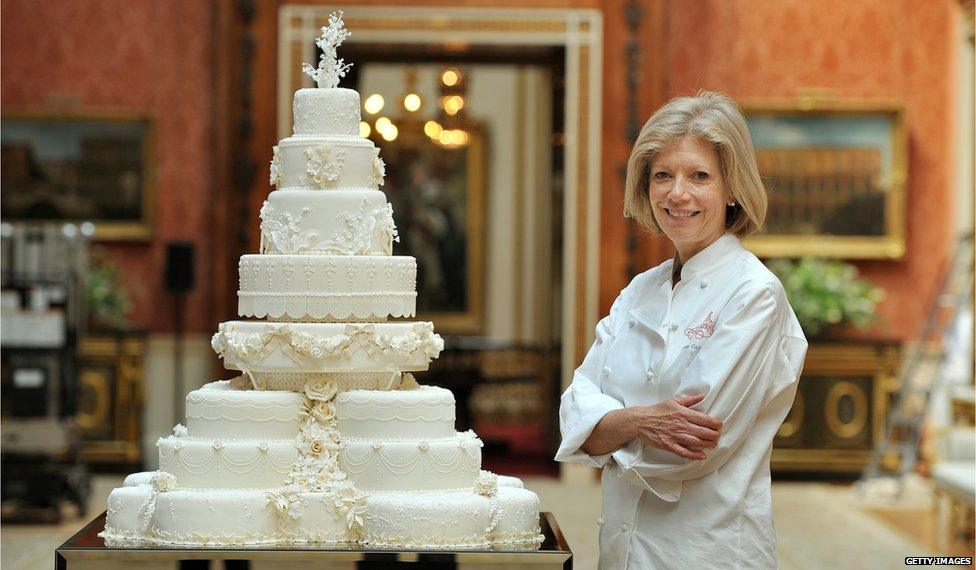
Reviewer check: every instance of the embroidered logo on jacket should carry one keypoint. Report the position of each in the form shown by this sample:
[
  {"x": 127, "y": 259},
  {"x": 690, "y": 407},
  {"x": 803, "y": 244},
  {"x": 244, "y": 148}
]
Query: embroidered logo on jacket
[{"x": 703, "y": 330}]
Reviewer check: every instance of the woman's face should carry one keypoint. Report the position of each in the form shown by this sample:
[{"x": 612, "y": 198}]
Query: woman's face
[{"x": 688, "y": 195}]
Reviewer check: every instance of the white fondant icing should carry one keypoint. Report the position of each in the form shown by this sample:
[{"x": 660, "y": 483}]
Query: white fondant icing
[
  {"x": 342, "y": 222},
  {"x": 427, "y": 412},
  {"x": 417, "y": 464},
  {"x": 518, "y": 516},
  {"x": 241, "y": 464},
  {"x": 216, "y": 411},
  {"x": 443, "y": 520},
  {"x": 326, "y": 163},
  {"x": 130, "y": 508},
  {"x": 141, "y": 478},
  {"x": 241, "y": 517},
  {"x": 331, "y": 287},
  {"x": 326, "y": 112}
]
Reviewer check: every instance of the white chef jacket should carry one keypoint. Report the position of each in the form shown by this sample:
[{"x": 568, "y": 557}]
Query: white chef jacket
[{"x": 725, "y": 330}]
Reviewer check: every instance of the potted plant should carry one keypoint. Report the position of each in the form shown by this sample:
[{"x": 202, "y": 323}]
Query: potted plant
[
  {"x": 107, "y": 301},
  {"x": 826, "y": 292}
]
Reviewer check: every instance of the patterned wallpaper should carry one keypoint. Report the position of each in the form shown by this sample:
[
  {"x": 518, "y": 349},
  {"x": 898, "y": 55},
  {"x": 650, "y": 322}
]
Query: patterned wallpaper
[
  {"x": 144, "y": 54},
  {"x": 865, "y": 50}
]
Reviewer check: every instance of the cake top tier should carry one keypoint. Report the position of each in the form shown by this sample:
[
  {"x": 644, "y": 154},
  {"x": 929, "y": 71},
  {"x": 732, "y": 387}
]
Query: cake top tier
[
  {"x": 326, "y": 112},
  {"x": 328, "y": 109}
]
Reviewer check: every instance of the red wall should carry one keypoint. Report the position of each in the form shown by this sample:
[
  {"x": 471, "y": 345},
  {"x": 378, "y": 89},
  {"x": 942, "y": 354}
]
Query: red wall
[
  {"x": 144, "y": 54},
  {"x": 158, "y": 54},
  {"x": 865, "y": 50}
]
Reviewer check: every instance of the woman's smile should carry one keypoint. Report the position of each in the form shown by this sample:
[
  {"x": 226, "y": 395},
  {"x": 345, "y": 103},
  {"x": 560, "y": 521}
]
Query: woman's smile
[{"x": 688, "y": 194}]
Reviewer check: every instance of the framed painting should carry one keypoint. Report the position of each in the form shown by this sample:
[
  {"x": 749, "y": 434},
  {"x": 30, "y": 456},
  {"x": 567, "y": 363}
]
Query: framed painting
[
  {"x": 79, "y": 165},
  {"x": 835, "y": 176},
  {"x": 438, "y": 195}
]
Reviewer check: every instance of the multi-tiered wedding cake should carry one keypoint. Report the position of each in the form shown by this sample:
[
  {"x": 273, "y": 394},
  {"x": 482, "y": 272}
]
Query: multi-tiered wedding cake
[{"x": 325, "y": 436}]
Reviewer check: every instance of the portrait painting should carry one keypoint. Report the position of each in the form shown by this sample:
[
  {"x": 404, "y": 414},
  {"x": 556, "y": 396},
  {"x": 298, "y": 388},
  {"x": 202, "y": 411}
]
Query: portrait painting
[{"x": 437, "y": 194}]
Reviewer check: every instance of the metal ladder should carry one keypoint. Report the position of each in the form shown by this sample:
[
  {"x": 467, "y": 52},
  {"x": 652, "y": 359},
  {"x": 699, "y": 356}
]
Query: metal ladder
[{"x": 921, "y": 373}]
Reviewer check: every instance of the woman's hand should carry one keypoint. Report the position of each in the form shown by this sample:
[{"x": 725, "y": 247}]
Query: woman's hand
[
  {"x": 671, "y": 425},
  {"x": 674, "y": 427}
]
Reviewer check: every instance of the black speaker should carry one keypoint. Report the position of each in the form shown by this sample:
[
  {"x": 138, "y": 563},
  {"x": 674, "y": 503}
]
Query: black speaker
[{"x": 179, "y": 267}]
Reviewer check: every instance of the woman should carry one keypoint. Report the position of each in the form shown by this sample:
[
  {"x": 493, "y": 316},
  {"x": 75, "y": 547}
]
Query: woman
[{"x": 696, "y": 366}]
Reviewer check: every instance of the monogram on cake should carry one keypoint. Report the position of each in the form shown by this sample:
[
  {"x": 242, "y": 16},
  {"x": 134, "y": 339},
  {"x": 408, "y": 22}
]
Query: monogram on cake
[{"x": 325, "y": 436}]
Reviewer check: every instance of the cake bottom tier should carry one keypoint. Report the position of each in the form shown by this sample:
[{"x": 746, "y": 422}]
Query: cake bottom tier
[
  {"x": 217, "y": 517},
  {"x": 451, "y": 520},
  {"x": 509, "y": 518}
]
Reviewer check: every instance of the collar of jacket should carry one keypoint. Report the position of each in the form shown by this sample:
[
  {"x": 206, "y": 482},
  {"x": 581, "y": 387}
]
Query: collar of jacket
[{"x": 707, "y": 260}]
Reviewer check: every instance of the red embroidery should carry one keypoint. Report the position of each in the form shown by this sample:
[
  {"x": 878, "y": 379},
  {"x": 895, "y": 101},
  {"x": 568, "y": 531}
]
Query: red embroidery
[{"x": 703, "y": 330}]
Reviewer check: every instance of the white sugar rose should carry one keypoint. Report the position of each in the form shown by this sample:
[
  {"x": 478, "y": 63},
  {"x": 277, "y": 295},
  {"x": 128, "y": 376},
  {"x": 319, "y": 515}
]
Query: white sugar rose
[
  {"x": 486, "y": 484},
  {"x": 323, "y": 412},
  {"x": 163, "y": 481},
  {"x": 320, "y": 389},
  {"x": 179, "y": 430},
  {"x": 408, "y": 382}
]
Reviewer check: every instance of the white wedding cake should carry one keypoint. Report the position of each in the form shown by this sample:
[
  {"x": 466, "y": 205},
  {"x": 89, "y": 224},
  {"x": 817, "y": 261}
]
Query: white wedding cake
[{"x": 325, "y": 436}]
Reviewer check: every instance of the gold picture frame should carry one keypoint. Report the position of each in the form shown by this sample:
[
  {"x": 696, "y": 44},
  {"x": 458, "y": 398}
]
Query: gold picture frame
[
  {"x": 417, "y": 167},
  {"x": 836, "y": 175},
  {"x": 78, "y": 165}
]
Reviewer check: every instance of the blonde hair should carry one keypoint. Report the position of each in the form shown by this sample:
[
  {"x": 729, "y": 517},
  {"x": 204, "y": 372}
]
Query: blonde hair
[{"x": 713, "y": 118}]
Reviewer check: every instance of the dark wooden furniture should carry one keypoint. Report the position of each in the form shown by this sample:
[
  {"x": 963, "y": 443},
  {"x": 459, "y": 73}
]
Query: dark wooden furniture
[
  {"x": 840, "y": 407},
  {"x": 109, "y": 414}
]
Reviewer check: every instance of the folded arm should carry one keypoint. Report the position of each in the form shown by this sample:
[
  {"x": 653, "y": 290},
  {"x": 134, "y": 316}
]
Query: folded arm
[{"x": 740, "y": 368}]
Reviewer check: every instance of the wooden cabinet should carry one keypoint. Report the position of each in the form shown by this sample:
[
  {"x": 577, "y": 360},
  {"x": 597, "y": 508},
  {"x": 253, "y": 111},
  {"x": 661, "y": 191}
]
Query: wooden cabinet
[
  {"x": 109, "y": 415},
  {"x": 840, "y": 407}
]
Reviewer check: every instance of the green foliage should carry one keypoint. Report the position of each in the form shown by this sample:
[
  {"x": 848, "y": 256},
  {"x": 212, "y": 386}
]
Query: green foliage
[
  {"x": 107, "y": 301},
  {"x": 826, "y": 292}
]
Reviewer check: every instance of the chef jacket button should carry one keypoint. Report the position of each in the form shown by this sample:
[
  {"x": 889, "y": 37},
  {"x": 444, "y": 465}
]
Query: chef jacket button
[
  {"x": 674, "y": 326},
  {"x": 606, "y": 371},
  {"x": 631, "y": 323},
  {"x": 625, "y": 526},
  {"x": 649, "y": 375},
  {"x": 599, "y": 521},
  {"x": 704, "y": 283}
]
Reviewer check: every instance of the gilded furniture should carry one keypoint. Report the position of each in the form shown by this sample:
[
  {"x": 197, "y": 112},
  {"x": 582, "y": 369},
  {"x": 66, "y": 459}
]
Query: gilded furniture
[
  {"x": 109, "y": 414},
  {"x": 840, "y": 407}
]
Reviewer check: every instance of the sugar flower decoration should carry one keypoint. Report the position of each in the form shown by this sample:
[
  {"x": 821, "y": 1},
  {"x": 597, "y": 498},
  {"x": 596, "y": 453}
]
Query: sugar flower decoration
[
  {"x": 163, "y": 481},
  {"x": 486, "y": 484},
  {"x": 276, "y": 170},
  {"x": 331, "y": 67}
]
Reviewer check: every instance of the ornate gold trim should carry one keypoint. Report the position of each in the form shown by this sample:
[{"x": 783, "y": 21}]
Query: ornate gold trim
[
  {"x": 471, "y": 321},
  {"x": 582, "y": 211},
  {"x": 794, "y": 419},
  {"x": 452, "y": 25},
  {"x": 891, "y": 245},
  {"x": 835, "y": 424}
]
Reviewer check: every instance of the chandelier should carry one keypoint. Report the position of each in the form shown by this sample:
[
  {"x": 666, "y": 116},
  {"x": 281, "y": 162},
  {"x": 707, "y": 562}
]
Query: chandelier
[{"x": 449, "y": 128}]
